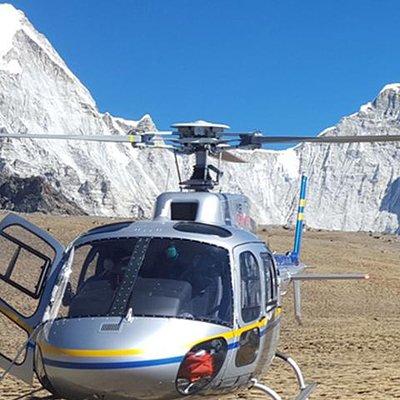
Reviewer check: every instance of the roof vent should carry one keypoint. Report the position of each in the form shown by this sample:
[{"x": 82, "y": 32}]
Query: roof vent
[
  {"x": 110, "y": 327},
  {"x": 202, "y": 229}
]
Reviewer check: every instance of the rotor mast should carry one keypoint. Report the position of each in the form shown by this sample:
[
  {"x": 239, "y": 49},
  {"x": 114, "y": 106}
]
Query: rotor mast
[{"x": 201, "y": 138}]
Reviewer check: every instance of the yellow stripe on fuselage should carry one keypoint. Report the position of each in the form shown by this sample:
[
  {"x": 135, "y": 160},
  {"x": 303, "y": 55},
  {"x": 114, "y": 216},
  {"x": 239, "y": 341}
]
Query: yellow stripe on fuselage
[
  {"x": 303, "y": 202},
  {"x": 50, "y": 349},
  {"x": 237, "y": 332},
  {"x": 300, "y": 217},
  {"x": 278, "y": 312},
  {"x": 234, "y": 333}
]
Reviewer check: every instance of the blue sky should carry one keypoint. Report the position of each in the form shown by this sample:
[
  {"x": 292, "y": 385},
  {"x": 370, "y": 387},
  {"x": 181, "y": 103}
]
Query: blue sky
[{"x": 285, "y": 67}]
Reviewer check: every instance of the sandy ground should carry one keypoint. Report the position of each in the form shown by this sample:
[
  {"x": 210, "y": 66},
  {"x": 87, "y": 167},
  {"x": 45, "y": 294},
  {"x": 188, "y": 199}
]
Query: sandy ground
[{"x": 349, "y": 342}]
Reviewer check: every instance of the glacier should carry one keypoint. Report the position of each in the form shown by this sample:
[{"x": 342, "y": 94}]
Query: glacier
[{"x": 352, "y": 187}]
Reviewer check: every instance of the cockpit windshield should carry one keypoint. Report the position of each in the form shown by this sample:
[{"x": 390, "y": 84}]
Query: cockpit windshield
[{"x": 155, "y": 277}]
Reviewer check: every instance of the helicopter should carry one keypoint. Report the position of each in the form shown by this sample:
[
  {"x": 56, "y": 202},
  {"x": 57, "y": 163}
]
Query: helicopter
[{"x": 188, "y": 303}]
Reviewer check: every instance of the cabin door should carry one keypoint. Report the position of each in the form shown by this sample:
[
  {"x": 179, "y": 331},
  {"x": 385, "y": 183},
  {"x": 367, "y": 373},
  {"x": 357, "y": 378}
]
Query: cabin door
[
  {"x": 29, "y": 263},
  {"x": 250, "y": 311}
]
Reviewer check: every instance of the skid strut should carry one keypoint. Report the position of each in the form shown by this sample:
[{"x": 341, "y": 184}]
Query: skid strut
[
  {"x": 304, "y": 390},
  {"x": 265, "y": 389}
]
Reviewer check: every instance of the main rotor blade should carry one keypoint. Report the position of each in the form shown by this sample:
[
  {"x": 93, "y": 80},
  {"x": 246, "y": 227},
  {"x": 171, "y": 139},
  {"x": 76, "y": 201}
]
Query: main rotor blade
[
  {"x": 229, "y": 157},
  {"x": 133, "y": 138},
  {"x": 248, "y": 140}
]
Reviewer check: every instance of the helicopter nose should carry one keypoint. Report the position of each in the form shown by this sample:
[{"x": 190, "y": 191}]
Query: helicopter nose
[{"x": 148, "y": 359}]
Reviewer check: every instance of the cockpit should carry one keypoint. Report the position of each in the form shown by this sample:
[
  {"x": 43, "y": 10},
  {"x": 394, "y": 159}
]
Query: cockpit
[{"x": 150, "y": 277}]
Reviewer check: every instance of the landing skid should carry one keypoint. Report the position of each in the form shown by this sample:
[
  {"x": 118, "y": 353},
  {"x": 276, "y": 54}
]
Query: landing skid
[{"x": 304, "y": 390}]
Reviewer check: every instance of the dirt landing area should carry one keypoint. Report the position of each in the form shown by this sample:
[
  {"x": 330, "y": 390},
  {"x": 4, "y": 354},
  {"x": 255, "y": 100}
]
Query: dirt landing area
[{"x": 349, "y": 343}]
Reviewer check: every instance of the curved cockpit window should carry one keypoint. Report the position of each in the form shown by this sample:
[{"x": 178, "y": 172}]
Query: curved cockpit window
[{"x": 155, "y": 277}]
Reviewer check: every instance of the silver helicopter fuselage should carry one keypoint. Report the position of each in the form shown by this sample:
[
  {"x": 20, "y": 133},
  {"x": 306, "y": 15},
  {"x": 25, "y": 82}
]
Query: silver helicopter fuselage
[{"x": 139, "y": 357}]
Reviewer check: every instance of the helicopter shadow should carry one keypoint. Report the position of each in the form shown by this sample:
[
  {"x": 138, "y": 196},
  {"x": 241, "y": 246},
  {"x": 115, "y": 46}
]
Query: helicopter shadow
[{"x": 391, "y": 200}]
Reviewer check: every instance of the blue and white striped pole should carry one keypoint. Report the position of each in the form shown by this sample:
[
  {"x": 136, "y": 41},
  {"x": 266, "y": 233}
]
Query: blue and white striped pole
[{"x": 300, "y": 220}]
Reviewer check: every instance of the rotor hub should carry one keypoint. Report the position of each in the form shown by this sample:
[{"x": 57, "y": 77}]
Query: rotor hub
[
  {"x": 200, "y": 128},
  {"x": 201, "y": 138}
]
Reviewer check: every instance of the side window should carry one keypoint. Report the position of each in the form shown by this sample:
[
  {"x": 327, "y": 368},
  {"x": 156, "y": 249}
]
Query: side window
[
  {"x": 250, "y": 287},
  {"x": 25, "y": 260},
  {"x": 248, "y": 349},
  {"x": 270, "y": 280}
]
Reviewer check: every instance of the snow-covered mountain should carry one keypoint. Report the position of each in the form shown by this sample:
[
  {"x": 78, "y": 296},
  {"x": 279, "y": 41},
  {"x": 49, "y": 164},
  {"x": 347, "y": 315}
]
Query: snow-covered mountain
[
  {"x": 38, "y": 93},
  {"x": 352, "y": 187}
]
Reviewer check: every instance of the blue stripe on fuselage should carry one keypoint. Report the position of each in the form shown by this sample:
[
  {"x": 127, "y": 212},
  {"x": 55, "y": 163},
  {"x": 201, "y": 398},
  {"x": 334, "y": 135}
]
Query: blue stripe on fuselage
[{"x": 113, "y": 365}]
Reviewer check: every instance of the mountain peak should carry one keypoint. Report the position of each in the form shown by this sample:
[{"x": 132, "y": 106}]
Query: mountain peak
[
  {"x": 146, "y": 123},
  {"x": 392, "y": 87},
  {"x": 11, "y": 21},
  {"x": 20, "y": 43}
]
